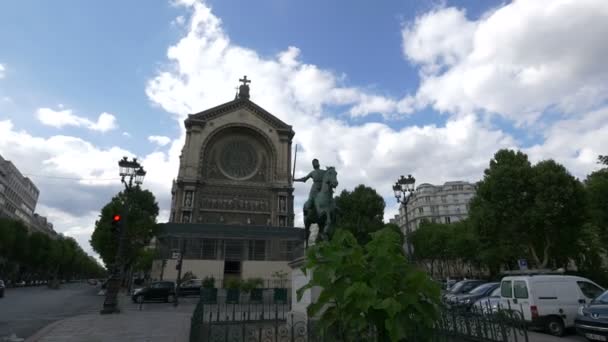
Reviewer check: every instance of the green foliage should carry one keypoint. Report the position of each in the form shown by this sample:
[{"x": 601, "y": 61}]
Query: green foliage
[
  {"x": 188, "y": 275},
  {"x": 143, "y": 261},
  {"x": 280, "y": 275},
  {"x": 556, "y": 217},
  {"x": 250, "y": 284},
  {"x": 139, "y": 213},
  {"x": 370, "y": 287},
  {"x": 361, "y": 212},
  {"x": 233, "y": 283},
  {"x": 596, "y": 186},
  {"x": 38, "y": 256},
  {"x": 525, "y": 211},
  {"x": 209, "y": 283},
  {"x": 498, "y": 211}
]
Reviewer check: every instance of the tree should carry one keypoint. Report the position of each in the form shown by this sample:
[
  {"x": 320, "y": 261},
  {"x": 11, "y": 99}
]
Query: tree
[
  {"x": 499, "y": 210},
  {"x": 596, "y": 193},
  {"x": 370, "y": 288},
  {"x": 556, "y": 216},
  {"x": 144, "y": 260},
  {"x": 139, "y": 222},
  {"x": 361, "y": 212}
]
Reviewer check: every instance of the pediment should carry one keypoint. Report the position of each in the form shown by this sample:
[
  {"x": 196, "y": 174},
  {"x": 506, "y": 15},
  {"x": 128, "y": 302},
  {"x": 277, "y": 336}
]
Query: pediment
[{"x": 232, "y": 106}]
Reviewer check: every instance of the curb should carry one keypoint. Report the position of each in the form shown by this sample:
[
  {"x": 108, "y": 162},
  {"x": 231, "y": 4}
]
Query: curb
[{"x": 44, "y": 331}]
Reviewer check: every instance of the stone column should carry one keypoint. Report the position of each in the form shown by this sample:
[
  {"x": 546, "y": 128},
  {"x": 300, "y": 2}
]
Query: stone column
[{"x": 299, "y": 279}]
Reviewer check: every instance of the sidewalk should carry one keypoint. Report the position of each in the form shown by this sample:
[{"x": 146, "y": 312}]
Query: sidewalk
[
  {"x": 156, "y": 322},
  {"x": 136, "y": 326}
]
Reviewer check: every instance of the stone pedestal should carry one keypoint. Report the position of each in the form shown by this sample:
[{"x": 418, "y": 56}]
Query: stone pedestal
[{"x": 299, "y": 279}]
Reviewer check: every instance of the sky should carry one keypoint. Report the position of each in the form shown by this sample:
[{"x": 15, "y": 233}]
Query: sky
[{"x": 376, "y": 89}]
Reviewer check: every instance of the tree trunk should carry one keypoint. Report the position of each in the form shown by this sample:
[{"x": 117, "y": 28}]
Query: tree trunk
[{"x": 541, "y": 263}]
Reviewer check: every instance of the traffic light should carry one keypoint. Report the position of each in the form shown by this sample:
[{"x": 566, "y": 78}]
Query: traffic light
[{"x": 116, "y": 222}]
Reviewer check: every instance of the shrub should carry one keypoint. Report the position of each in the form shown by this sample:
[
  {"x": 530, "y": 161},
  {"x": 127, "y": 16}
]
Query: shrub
[{"x": 209, "y": 283}]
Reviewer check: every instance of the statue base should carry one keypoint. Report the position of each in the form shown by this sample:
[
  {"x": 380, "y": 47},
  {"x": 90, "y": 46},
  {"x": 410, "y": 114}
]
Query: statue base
[{"x": 299, "y": 279}]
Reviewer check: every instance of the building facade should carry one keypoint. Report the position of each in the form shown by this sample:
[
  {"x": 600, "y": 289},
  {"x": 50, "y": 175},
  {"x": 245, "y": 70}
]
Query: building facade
[
  {"x": 42, "y": 225},
  {"x": 445, "y": 203},
  {"x": 232, "y": 202},
  {"x": 18, "y": 194}
]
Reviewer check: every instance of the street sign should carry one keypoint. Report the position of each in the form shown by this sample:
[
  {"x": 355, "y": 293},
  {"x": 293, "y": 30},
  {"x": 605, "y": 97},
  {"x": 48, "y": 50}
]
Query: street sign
[
  {"x": 175, "y": 255},
  {"x": 523, "y": 264}
]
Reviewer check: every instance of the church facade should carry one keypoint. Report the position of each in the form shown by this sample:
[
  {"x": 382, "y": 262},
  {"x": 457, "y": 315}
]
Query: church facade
[{"x": 232, "y": 202}]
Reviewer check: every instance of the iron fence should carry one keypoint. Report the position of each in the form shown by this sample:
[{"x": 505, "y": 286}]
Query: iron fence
[{"x": 275, "y": 323}]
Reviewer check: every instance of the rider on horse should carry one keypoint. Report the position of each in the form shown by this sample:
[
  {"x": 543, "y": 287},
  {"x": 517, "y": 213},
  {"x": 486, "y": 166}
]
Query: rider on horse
[{"x": 317, "y": 178}]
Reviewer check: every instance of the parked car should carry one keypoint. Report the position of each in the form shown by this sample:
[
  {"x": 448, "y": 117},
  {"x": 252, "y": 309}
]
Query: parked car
[
  {"x": 489, "y": 304},
  {"x": 20, "y": 283},
  {"x": 461, "y": 287},
  {"x": 548, "y": 301},
  {"x": 191, "y": 287},
  {"x": 160, "y": 290},
  {"x": 2, "y": 287},
  {"x": 92, "y": 282},
  {"x": 469, "y": 298},
  {"x": 592, "y": 319}
]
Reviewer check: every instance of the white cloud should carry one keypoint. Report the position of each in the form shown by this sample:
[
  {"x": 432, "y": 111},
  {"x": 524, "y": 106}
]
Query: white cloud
[
  {"x": 204, "y": 61},
  {"x": 519, "y": 61},
  {"x": 204, "y": 67},
  {"x": 60, "y": 118},
  {"x": 575, "y": 142},
  {"x": 159, "y": 140},
  {"x": 126, "y": 134},
  {"x": 2, "y": 70}
]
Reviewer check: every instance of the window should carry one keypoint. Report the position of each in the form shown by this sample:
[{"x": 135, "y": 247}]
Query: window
[
  {"x": 444, "y": 199},
  {"x": 421, "y": 210},
  {"x": 448, "y": 220},
  {"x": 506, "y": 289},
  {"x": 434, "y": 209},
  {"x": 192, "y": 249},
  {"x": 427, "y": 199},
  {"x": 286, "y": 249},
  {"x": 520, "y": 290},
  {"x": 589, "y": 290},
  {"x": 257, "y": 250},
  {"x": 233, "y": 250}
]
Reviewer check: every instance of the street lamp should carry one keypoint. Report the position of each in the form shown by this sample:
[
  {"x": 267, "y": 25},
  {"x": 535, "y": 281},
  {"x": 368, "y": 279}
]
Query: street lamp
[
  {"x": 404, "y": 187},
  {"x": 130, "y": 172}
]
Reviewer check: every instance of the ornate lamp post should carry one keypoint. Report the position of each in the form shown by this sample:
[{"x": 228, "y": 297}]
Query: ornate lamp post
[
  {"x": 404, "y": 187},
  {"x": 131, "y": 172}
]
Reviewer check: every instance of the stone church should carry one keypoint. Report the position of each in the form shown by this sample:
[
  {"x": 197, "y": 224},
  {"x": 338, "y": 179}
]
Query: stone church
[{"x": 232, "y": 209}]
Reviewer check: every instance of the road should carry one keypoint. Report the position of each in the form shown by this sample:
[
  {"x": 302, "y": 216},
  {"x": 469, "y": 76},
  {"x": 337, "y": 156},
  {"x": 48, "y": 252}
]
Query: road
[{"x": 23, "y": 311}]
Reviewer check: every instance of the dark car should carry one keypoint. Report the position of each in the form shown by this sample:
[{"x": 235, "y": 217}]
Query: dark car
[
  {"x": 160, "y": 290},
  {"x": 190, "y": 287},
  {"x": 592, "y": 319},
  {"x": 469, "y": 298},
  {"x": 461, "y": 287},
  {"x": 490, "y": 303},
  {"x": 2, "y": 286}
]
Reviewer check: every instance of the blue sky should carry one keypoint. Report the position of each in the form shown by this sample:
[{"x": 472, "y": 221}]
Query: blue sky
[{"x": 425, "y": 87}]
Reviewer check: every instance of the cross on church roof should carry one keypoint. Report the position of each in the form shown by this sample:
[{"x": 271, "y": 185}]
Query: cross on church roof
[
  {"x": 243, "y": 88},
  {"x": 244, "y": 80}
]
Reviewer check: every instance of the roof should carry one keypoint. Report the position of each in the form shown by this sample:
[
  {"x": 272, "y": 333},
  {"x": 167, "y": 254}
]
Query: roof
[
  {"x": 235, "y": 104},
  {"x": 207, "y": 230}
]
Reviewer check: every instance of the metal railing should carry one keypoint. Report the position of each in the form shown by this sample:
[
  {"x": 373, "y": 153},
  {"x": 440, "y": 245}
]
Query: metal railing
[{"x": 275, "y": 323}]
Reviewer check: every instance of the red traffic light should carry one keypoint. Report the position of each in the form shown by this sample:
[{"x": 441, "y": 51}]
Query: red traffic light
[{"x": 116, "y": 218}]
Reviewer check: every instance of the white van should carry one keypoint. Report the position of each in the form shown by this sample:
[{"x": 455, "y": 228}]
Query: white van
[{"x": 547, "y": 301}]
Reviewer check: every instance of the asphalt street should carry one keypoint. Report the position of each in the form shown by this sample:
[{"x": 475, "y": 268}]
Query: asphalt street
[{"x": 23, "y": 311}]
